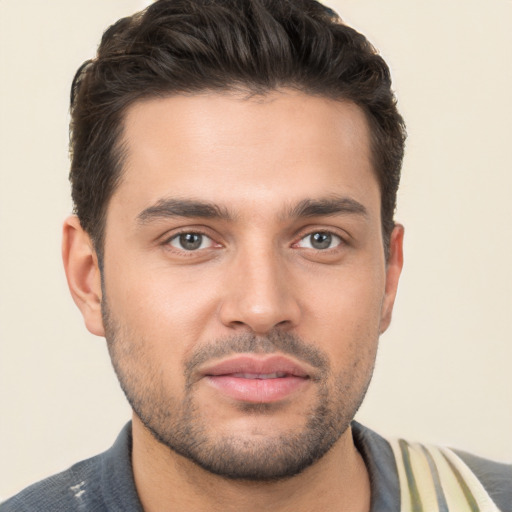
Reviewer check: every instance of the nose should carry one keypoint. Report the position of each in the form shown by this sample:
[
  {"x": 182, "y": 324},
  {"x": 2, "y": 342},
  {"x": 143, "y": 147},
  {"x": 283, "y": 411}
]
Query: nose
[{"x": 259, "y": 294}]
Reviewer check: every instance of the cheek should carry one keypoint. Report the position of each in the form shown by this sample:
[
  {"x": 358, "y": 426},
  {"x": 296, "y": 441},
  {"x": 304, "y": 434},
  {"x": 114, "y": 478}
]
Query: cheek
[
  {"x": 168, "y": 309},
  {"x": 344, "y": 317},
  {"x": 345, "y": 300}
]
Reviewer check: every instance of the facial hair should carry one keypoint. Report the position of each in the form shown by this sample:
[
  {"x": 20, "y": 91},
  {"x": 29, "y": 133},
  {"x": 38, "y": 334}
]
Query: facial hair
[{"x": 182, "y": 426}]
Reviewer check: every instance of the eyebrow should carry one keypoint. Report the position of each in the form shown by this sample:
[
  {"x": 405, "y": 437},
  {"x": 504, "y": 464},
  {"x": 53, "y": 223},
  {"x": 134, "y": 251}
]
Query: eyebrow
[
  {"x": 189, "y": 208},
  {"x": 332, "y": 205},
  {"x": 169, "y": 208}
]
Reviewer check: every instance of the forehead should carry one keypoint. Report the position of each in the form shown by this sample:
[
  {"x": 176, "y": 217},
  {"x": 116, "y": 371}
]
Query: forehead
[{"x": 230, "y": 149}]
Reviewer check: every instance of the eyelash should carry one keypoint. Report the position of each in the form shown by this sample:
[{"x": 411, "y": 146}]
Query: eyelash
[
  {"x": 331, "y": 236},
  {"x": 176, "y": 236},
  {"x": 310, "y": 233}
]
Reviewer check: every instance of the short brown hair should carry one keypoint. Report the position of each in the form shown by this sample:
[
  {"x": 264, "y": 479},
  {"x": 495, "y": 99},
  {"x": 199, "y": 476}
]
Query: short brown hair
[{"x": 189, "y": 46}]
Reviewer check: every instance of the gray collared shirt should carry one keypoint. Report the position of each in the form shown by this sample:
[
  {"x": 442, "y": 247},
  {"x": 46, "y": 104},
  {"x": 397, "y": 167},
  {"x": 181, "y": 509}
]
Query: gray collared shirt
[{"x": 105, "y": 482}]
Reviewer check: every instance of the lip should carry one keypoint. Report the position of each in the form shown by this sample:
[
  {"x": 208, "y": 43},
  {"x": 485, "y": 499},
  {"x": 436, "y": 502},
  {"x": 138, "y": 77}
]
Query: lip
[{"x": 257, "y": 380}]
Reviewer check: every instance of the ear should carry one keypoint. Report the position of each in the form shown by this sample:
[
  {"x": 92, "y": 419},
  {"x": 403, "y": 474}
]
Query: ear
[
  {"x": 393, "y": 270},
  {"x": 83, "y": 273}
]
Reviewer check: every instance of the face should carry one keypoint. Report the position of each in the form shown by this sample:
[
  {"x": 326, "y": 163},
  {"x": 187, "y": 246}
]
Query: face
[{"x": 244, "y": 280}]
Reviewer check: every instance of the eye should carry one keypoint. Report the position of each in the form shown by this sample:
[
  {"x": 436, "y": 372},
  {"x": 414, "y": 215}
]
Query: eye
[
  {"x": 190, "y": 241},
  {"x": 320, "y": 241}
]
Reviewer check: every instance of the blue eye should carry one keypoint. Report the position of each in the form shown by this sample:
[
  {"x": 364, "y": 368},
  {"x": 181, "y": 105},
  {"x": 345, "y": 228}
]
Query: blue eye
[
  {"x": 320, "y": 241},
  {"x": 190, "y": 241}
]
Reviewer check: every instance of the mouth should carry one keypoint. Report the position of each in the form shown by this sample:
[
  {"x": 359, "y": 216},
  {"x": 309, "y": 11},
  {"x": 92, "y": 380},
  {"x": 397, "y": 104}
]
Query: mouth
[{"x": 257, "y": 380}]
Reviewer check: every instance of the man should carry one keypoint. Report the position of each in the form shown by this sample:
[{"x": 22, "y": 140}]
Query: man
[{"x": 234, "y": 172}]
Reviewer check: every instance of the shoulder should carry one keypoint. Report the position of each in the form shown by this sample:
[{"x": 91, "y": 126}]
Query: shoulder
[
  {"x": 419, "y": 473},
  {"x": 496, "y": 477},
  {"x": 101, "y": 483},
  {"x": 452, "y": 477},
  {"x": 65, "y": 491}
]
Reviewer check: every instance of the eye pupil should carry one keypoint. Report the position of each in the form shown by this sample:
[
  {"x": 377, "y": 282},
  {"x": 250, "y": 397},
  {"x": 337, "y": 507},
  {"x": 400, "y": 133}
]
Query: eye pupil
[
  {"x": 191, "y": 241},
  {"x": 321, "y": 240}
]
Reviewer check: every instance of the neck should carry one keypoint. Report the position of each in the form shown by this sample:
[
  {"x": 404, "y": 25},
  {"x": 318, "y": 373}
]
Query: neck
[{"x": 165, "y": 480}]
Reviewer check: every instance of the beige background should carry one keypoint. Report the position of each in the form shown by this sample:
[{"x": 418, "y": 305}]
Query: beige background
[{"x": 444, "y": 371}]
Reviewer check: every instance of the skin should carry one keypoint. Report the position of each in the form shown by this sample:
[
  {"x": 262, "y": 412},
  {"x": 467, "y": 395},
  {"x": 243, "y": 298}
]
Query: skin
[{"x": 256, "y": 273}]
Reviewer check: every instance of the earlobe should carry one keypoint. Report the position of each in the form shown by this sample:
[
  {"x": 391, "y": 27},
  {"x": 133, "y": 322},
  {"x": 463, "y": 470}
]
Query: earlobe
[
  {"x": 83, "y": 273},
  {"x": 393, "y": 270}
]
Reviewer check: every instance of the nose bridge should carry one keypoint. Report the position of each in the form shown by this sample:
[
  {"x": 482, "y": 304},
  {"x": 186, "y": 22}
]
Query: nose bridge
[{"x": 259, "y": 295}]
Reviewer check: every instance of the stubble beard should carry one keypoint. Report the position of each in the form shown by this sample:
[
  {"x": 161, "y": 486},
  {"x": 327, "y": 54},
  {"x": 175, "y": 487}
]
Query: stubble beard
[{"x": 181, "y": 426}]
